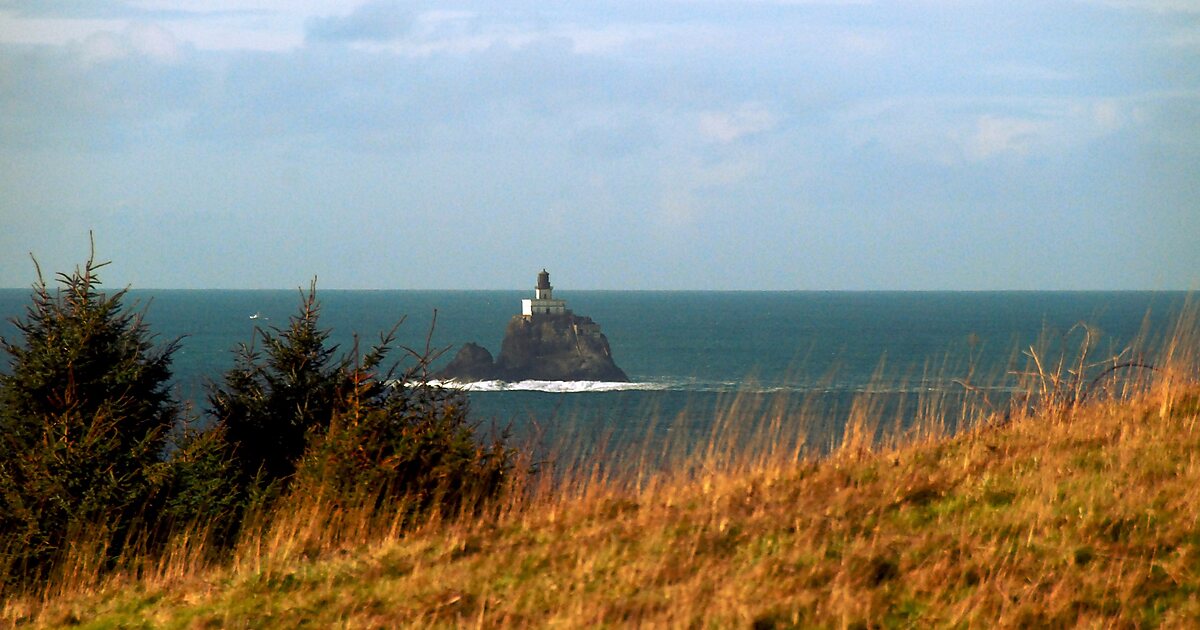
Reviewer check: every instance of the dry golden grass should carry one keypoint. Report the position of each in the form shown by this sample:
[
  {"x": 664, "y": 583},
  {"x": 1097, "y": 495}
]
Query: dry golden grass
[{"x": 1057, "y": 514}]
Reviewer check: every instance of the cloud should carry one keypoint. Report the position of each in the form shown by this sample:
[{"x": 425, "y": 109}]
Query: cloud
[
  {"x": 960, "y": 131},
  {"x": 689, "y": 186},
  {"x": 376, "y": 21},
  {"x": 1027, "y": 72},
  {"x": 248, "y": 25},
  {"x": 1155, "y": 6},
  {"x": 79, "y": 9},
  {"x": 147, "y": 40},
  {"x": 1185, "y": 38},
  {"x": 635, "y": 118},
  {"x": 746, "y": 120},
  {"x": 1108, "y": 116},
  {"x": 995, "y": 135}
]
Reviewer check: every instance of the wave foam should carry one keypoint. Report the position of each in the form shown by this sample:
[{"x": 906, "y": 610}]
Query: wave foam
[
  {"x": 553, "y": 387},
  {"x": 576, "y": 387}
]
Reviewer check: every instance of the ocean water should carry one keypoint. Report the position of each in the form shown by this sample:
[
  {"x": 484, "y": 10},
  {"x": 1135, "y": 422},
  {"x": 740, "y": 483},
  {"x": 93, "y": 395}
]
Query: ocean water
[{"x": 687, "y": 353}]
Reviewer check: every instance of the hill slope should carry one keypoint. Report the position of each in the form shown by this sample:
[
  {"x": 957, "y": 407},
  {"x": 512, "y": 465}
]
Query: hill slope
[{"x": 1091, "y": 515}]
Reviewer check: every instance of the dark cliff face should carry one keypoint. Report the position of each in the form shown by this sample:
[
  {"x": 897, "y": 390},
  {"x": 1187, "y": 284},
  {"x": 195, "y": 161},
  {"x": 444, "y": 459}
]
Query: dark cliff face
[
  {"x": 564, "y": 347},
  {"x": 472, "y": 363}
]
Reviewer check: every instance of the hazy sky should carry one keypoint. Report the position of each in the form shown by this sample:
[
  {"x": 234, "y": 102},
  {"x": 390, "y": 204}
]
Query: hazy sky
[{"x": 939, "y": 144}]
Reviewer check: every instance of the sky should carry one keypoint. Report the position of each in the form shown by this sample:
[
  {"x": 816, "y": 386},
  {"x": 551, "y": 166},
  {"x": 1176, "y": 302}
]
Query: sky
[{"x": 685, "y": 144}]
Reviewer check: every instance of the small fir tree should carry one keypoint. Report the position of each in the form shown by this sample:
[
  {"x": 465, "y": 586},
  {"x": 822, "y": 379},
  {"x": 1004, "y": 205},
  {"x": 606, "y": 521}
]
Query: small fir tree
[
  {"x": 351, "y": 428},
  {"x": 85, "y": 411},
  {"x": 409, "y": 446},
  {"x": 267, "y": 406}
]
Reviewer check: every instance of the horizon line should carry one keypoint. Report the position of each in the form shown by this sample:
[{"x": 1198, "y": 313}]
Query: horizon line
[{"x": 661, "y": 290}]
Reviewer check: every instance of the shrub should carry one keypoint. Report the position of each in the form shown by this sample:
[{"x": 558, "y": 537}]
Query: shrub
[
  {"x": 267, "y": 405},
  {"x": 355, "y": 431},
  {"x": 86, "y": 418},
  {"x": 199, "y": 495},
  {"x": 409, "y": 446},
  {"x": 85, "y": 411}
]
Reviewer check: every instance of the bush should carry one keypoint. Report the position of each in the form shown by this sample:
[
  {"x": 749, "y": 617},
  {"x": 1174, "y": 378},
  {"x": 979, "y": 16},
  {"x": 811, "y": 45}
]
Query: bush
[
  {"x": 268, "y": 406},
  {"x": 199, "y": 495},
  {"x": 85, "y": 412},
  {"x": 354, "y": 431},
  {"x": 410, "y": 447},
  {"x": 87, "y": 416}
]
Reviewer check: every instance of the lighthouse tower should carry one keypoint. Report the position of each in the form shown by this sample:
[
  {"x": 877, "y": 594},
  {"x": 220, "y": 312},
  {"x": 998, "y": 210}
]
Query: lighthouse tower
[{"x": 543, "y": 302}]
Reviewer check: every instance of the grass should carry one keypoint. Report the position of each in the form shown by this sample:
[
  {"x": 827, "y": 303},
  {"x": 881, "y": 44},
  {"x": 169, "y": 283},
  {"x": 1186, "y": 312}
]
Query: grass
[{"x": 1060, "y": 512}]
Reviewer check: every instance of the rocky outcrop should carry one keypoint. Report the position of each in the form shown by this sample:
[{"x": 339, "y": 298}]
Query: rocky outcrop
[
  {"x": 472, "y": 363},
  {"x": 564, "y": 347},
  {"x": 544, "y": 347}
]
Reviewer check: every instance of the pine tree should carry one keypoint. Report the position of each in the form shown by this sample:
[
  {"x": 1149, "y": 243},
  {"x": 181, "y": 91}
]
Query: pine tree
[
  {"x": 343, "y": 426},
  {"x": 85, "y": 411},
  {"x": 268, "y": 406}
]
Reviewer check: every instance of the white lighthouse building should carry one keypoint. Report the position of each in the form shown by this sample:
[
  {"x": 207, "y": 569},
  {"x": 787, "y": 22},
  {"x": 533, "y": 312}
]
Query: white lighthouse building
[{"x": 543, "y": 302}]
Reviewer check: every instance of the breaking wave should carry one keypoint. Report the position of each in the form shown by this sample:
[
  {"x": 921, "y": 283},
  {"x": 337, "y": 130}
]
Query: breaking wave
[
  {"x": 688, "y": 385},
  {"x": 553, "y": 387}
]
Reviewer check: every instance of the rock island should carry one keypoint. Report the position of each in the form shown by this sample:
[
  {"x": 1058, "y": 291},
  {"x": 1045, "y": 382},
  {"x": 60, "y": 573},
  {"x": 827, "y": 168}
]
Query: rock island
[{"x": 546, "y": 342}]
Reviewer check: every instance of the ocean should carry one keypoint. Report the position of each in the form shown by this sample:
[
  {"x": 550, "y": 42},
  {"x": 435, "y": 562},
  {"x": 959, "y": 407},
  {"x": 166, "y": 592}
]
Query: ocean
[{"x": 688, "y": 354}]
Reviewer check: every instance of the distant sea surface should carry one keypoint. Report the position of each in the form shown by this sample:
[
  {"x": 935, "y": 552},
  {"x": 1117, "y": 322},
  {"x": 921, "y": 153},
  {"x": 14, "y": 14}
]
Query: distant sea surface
[{"x": 686, "y": 352}]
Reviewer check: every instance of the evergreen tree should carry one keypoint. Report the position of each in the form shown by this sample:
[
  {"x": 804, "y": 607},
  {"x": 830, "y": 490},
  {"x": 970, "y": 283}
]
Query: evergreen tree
[
  {"x": 85, "y": 411},
  {"x": 407, "y": 445},
  {"x": 349, "y": 427},
  {"x": 268, "y": 406}
]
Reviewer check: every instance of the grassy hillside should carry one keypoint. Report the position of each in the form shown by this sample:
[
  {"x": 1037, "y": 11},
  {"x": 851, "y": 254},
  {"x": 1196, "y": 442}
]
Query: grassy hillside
[{"x": 1063, "y": 515}]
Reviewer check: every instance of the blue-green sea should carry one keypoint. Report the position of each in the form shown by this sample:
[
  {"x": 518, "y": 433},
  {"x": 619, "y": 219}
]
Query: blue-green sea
[{"x": 686, "y": 352}]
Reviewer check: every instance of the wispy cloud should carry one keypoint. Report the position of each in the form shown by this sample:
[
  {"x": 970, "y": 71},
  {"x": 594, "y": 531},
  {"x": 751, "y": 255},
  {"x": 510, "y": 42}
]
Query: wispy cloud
[
  {"x": 146, "y": 40},
  {"x": 217, "y": 25},
  {"x": 991, "y": 136},
  {"x": 959, "y": 131},
  {"x": 1155, "y": 6},
  {"x": 379, "y": 20},
  {"x": 728, "y": 126},
  {"x": 1028, "y": 72}
]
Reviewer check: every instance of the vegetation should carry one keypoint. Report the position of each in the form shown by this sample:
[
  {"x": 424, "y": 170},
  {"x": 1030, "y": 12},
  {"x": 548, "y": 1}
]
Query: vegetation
[
  {"x": 340, "y": 428},
  {"x": 100, "y": 469},
  {"x": 1074, "y": 505},
  {"x": 85, "y": 412},
  {"x": 1082, "y": 518}
]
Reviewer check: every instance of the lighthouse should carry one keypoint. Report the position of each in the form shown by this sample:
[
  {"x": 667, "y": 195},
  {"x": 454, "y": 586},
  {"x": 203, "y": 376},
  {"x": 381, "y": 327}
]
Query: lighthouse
[
  {"x": 543, "y": 302},
  {"x": 545, "y": 342}
]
